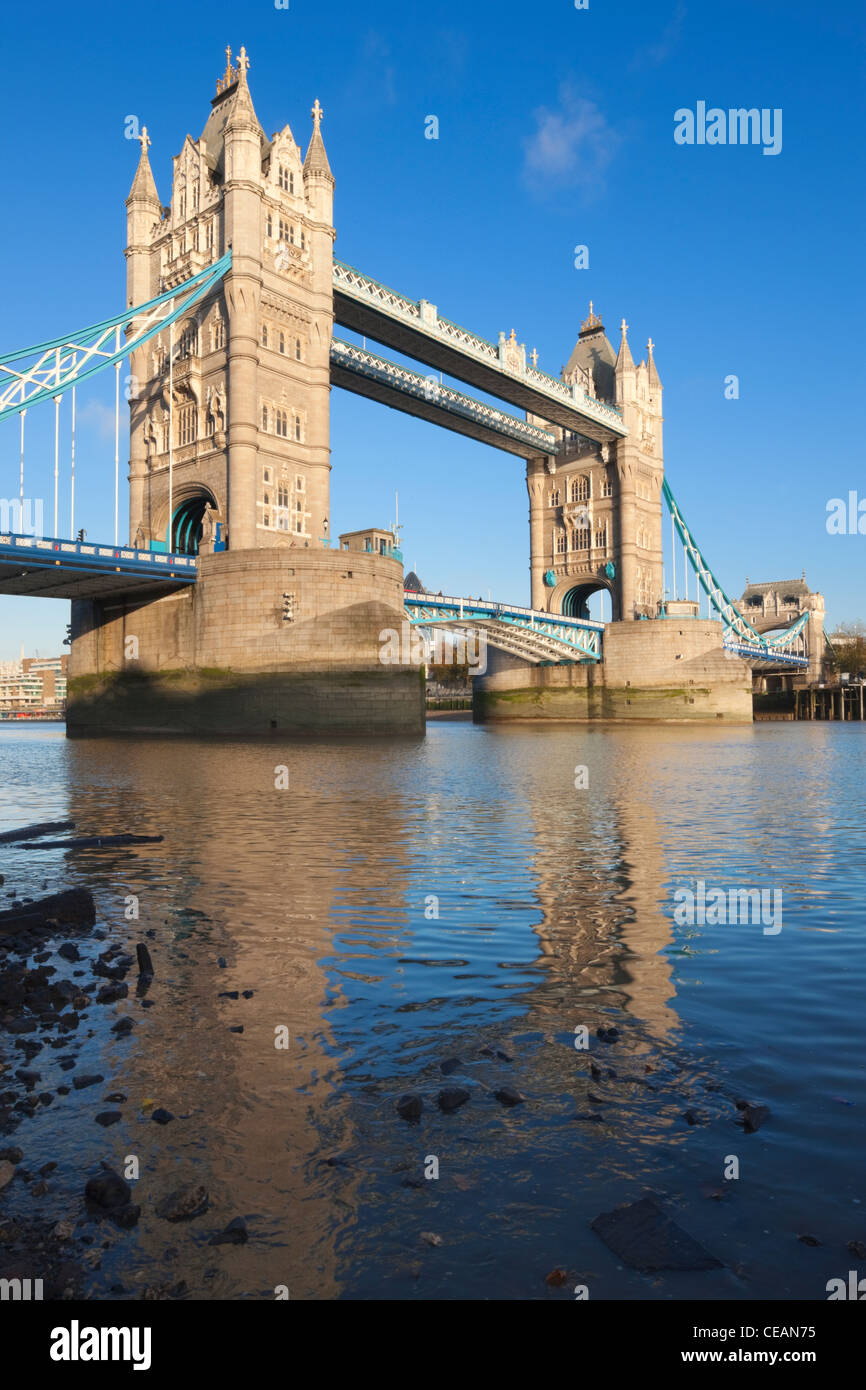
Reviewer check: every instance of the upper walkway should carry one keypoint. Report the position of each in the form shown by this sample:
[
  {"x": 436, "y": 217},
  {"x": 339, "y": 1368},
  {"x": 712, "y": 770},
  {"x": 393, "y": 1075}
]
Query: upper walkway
[{"x": 415, "y": 328}]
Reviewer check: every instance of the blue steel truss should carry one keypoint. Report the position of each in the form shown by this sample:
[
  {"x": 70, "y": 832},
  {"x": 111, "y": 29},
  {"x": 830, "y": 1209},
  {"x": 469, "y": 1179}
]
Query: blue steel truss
[
  {"x": 62, "y": 363},
  {"x": 739, "y": 635},
  {"x": 548, "y": 635}
]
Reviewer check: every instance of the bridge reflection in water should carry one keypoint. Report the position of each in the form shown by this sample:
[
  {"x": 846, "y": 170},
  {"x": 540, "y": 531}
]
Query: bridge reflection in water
[{"x": 410, "y": 901}]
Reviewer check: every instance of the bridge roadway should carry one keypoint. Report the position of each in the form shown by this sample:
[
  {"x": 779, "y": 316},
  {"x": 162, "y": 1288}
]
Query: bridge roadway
[
  {"x": 44, "y": 568},
  {"x": 414, "y": 327}
]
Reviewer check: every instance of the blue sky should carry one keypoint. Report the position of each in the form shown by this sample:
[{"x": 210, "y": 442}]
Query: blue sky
[{"x": 555, "y": 130}]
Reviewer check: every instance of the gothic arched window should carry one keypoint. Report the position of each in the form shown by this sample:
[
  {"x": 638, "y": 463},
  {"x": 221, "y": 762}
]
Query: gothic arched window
[
  {"x": 282, "y": 341},
  {"x": 298, "y": 349}
]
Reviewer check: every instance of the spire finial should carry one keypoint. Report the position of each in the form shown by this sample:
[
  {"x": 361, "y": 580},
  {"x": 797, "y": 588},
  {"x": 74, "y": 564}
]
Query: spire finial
[
  {"x": 593, "y": 321},
  {"x": 624, "y": 327},
  {"x": 243, "y": 64},
  {"x": 230, "y": 76},
  {"x": 650, "y": 345},
  {"x": 534, "y": 357},
  {"x": 144, "y": 140},
  {"x": 317, "y": 113}
]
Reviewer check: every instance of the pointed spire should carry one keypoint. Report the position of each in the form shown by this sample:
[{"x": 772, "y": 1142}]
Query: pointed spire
[
  {"x": 243, "y": 113},
  {"x": 654, "y": 378},
  {"x": 144, "y": 184},
  {"x": 316, "y": 161},
  {"x": 624, "y": 359}
]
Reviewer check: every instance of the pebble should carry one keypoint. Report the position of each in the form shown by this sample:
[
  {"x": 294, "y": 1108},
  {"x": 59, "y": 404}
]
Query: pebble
[
  {"x": 410, "y": 1106},
  {"x": 184, "y": 1203},
  {"x": 452, "y": 1098},
  {"x": 108, "y": 1117},
  {"x": 235, "y": 1233},
  {"x": 508, "y": 1096},
  {"x": 161, "y": 1117},
  {"x": 450, "y": 1064},
  {"x": 87, "y": 1079}
]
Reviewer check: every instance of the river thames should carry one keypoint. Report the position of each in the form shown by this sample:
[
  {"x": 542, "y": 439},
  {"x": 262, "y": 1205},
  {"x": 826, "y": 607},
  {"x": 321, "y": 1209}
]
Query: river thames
[{"x": 399, "y": 905}]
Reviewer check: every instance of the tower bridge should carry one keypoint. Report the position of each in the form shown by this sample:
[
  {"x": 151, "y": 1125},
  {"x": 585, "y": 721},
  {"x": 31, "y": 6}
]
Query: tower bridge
[{"x": 247, "y": 619}]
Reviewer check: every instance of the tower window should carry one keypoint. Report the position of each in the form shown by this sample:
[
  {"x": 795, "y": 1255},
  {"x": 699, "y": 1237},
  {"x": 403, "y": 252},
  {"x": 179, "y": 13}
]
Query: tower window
[
  {"x": 264, "y": 427},
  {"x": 282, "y": 341},
  {"x": 284, "y": 229},
  {"x": 297, "y": 426},
  {"x": 269, "y": 225},
  {"x": 291, "y": 182},
  {"x": 580, "y": 489},
  {"x": 186, "y": 424},
  {"x": 554, "y": 497},
  {"x": 601, "y": 538},
  {"x": 219, "y": 334},
  {"x": 606, "y": 485},
  {"x": 264, "y": 335},
  {"x": 208, "y": 236},
  {"x": 291, "y": 234},
  {"x": 283, "y": 495},
  {"x": 581, "y": 538},
  {"x": 281, "y": 423},
  {"x": 560, "y": 542},
  {"x": 299, "y": 483},
  {"x": 284, "y": 178},
  {"x": 298, "y": 349},
  {"x": 303, "y": 240}
]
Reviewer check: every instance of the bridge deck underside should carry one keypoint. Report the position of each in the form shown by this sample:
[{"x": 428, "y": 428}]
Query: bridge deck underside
[
  {"x": 37, "y": 570},
  {"x": 350, "y": 378},
  {"x": 376, "y": 323}
]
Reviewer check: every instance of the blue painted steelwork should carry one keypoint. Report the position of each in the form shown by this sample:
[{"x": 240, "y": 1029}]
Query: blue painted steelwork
[
  {"x": 740, "y": 636},
  {"x": 65, "y": 362},
  {"x": 571, "y": 638},
  {"x": 90, "y": 558}
]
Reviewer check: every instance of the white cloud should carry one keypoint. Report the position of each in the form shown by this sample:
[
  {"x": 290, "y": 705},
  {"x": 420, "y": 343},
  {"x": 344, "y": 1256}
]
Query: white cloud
[{"x": 571, "y": 146}]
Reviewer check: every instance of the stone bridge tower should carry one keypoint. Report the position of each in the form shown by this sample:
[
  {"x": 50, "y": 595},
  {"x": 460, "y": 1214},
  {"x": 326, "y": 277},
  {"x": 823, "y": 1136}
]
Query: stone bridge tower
[
  {"x": 230, "y": 407},
  {"x": 230, "y": 461},
  {"x": 596, "y": 509}
]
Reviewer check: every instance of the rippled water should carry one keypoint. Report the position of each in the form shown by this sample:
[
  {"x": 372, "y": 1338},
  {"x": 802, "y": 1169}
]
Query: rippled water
[{"x": 405, "y": 902}]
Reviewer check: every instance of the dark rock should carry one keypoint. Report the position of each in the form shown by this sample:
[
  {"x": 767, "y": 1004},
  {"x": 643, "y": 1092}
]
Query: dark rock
[
  {"x": 108, "y": 1117},
  {"x": 12, "y": 1154},
  {"x": 410, "y": 1106},
  {"x": 235, "y": 1233},
  {"x": 222, "y": 962},
  {"x": 412, "y": 1182},
  {"x": 109, "y": 994},
  {"x": 238, "y": 1028},
  {"x": 694, "y": 1117},
  {"x": 69, "y": 951},
  {"x": 47, "y": 1168},
  {"x": 28, "y": 1076},
  {"x": 607, "y": 1035},
  {"x": 75, "y": 907},
  {"x": 109, "y": 1190},
  {"x": 184, "y": 1203},
  {"x": 115, "y": 1097},
  {"x": 452, "y": 1098},
  {"x": 33, "y": 832},
  {"x": 147, "y": 1003},
  {"x": 45, "y": 1098},
  {"x": 592, "y": 1116},
  {"x": 809, "y": 1240},
  {"x": 855, "y": 1247},
  {"x": 63, "y": 1090},
  {"x": 228, "y": 994},
  {"x": 145, "y": 964},
  {"x": 508, "y": 1096},
  {"x": 753, "y": 1116},
  {"x": 503, "y": 1056},
  {"x": 123, "y": 1025},
  {"x": 450, "y": 1064},
  {"x": 248, "y": 993},
  {"x": 645, "y": 1238},
  {"x": 127, "y": 1216},
  {"x": 594, "y": 1099},
  {"x": 87, "y": 1079},
  {"x": 161, "y": 1117}
]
